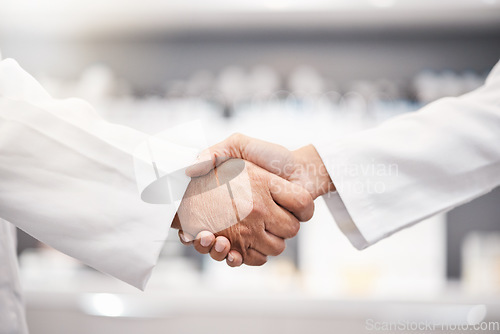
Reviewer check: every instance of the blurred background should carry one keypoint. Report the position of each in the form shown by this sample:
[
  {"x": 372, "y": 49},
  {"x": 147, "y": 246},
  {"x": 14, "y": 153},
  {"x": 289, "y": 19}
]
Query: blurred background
[{"x": 292, "y": 72}]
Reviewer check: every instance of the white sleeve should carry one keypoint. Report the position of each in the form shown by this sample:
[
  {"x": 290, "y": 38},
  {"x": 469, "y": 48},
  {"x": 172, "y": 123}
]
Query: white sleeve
[
  {"x": 416, "y": 165},
  {"x": 67, "y": 177}
]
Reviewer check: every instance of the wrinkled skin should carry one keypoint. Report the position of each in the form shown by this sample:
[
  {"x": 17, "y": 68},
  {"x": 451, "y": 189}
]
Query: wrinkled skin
[
  {"x": 303, "y": 167},
  {"x": 264, "y": 203}
]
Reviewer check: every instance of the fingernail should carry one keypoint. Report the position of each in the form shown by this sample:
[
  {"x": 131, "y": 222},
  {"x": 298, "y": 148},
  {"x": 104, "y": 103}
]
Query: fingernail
[
  {"x": 230, "y": 257},
  {"x": 219, "y": 247},
  {"x": 205, "y": 241},
  {"x": 184, "y": 238}
]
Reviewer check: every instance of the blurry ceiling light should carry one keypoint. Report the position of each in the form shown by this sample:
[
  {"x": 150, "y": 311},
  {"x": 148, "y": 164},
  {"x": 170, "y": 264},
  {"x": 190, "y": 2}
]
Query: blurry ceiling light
[
  {"x": 383, "y": 3},
  {"x": 104, "y": 304},
  {"x": 232, "y": 82},
  {"x": 199, "y": 83},
  {"x": 263, "y": 78},
  {"x": 276, "y": 5},
  {"x": 305, "y": 80}
]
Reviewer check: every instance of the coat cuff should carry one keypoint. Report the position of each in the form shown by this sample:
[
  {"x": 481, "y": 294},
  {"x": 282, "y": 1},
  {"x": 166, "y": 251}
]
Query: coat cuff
[
  {"x": 335, "y": 203},
  {"x": 344, "y": 220}
]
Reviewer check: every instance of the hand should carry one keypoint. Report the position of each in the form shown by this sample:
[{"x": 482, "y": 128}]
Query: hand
[
  {"x": 263, "y": 210},
  {"x": 206, "y": 242},
  {"x": 303, "y": 166}
]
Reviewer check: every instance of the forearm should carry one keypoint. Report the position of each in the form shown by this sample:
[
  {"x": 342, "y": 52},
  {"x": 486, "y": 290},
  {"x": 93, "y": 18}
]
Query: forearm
[
  {"x": 418, "y": 165},
  {"x": 68, "y": 179}
]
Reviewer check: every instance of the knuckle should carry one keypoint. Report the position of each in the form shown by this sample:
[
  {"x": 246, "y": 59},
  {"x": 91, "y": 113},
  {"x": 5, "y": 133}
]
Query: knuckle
[
  {"x": 306, "y": 207},
  {"x": 200, "y": 249},
  {"x": 258, "y": 209},
  {"x": 236, "y": 137},
  {"x": 243, "y": 233},
  {"x": 304, "y": 200},
  {"x": 294, "y": 229},
  {"x": 280, "y": 249},
  {"x": 216, "y": 257},
  {"x": 255, "y": 262}
]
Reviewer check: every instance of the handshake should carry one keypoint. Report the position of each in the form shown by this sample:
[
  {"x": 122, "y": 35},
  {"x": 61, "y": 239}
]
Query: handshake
[{"x": 247, "y": 196}]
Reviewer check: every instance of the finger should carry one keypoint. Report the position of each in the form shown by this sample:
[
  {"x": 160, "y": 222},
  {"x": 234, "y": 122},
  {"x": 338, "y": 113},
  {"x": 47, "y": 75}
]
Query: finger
[
  {"x": 204, "y": 242},
  {"x": 254, "y": 258},
  {"x": 231, "y": 147},
  {"x": 206, "y": 161},
  {"x": 292, "y": 197},
  {"x": 234, "y": 258},
  {"x": 209, "y": 159},
  {"x": 186, "y": 238},
  {"x": 269, "y": 244},
  {"x": 283, "y": 224},
  {"x": 221, "y": 248}
]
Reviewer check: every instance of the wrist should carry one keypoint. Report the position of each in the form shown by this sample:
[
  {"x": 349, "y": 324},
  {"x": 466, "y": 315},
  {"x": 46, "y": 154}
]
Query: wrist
[{"x": 314, "y": 175}]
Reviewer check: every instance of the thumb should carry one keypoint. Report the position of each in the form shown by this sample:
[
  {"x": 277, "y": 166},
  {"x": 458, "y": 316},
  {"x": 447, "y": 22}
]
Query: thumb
[
  {"x": 206, "y": 161},
  {"x": 272, "y": 157},
  {"x": 212, "y": 157}
]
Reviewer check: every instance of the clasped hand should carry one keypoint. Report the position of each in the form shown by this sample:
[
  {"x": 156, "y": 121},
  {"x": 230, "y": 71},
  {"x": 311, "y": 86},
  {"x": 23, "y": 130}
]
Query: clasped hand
[{"x": 247, "y": 196}]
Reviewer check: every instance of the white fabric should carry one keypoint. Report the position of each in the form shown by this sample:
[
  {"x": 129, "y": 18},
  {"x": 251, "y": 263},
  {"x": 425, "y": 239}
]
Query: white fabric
[
  {"x": 67, "y": 178},
  {"x": 12, "y": 319},
  {"x": 416, "y": 165}
]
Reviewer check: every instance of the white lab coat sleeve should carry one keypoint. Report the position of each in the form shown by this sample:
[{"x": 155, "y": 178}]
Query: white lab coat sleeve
[
  {"x": 415, "y": 166},
  {"x": 67, "y": 177}
]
